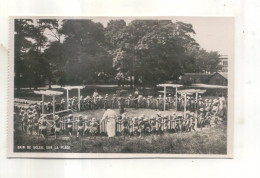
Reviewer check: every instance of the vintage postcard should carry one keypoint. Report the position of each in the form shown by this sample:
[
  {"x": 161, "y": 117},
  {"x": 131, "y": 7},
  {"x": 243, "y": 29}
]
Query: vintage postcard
[{"x": 121, "y": 87}]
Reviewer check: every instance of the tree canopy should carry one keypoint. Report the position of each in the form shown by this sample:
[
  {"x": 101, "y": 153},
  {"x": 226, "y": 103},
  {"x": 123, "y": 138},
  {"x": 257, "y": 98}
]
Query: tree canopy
[{"x": 142, "y": 52}]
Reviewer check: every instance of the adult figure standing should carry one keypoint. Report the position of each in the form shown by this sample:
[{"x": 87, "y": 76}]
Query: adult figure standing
[
  {"x": 136, "y": 95},
  {"x": 121, "y": 105},
  {"x": 95, "y": 93},
  {"x": 110, "y": 117}
]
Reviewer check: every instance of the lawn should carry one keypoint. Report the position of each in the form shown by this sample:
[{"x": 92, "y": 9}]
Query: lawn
[{"x": 207, "y": 141}]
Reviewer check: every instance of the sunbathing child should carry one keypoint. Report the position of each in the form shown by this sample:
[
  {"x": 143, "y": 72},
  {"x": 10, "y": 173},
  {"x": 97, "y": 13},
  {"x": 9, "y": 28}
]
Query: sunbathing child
[
  {"x": 153, "y": 125},
  {"x": 93, "y": 127}
]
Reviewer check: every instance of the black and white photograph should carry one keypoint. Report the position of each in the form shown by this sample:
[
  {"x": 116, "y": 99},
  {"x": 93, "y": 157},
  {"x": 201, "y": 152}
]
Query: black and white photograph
[{"x": 121, "y": 87}]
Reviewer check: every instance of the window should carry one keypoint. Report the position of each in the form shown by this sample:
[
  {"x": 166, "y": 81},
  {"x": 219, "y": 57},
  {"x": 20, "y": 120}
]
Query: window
[{"x": 225, "y": 63}]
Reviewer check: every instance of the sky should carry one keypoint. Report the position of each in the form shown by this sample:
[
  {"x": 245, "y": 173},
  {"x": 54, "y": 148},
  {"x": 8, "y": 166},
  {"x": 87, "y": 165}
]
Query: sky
[{"x": 212, "y": 33}]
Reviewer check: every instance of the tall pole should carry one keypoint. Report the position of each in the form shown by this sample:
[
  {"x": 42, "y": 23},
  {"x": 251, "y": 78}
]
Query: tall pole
[
  {"x": 53, "y": 100},
  {"x": 185, "y": 102},
  {"x": 176, "y": 98},
  {"x": 79, "y": 98},
  {"x": 67, "y": 98},
  {"x": 164, "y": 98},
  {"x": 196, "y": 111},
  {"x": 196, "y": 101},
  {"x": 42, "y": 104}
]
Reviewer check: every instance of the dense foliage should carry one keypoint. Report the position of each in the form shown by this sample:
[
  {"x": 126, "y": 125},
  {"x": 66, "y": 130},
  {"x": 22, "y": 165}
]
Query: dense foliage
[{"x": 143, "y": 52}]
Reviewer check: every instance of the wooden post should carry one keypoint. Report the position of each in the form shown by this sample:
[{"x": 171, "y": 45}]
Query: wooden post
[
  {"x": 42, "y": 104},
  {"x": 67, "y": 98},
  {"x": 169, "y": 123},
  {"x": 196, "y": 110},
  {"x": 196, "y": 121},
  {"x": 196, "y": 101},
  {"x": 53, "y": 100},
  {"x": 176, "y": 98},
  {"x": 164, "y": 98},
  {"x": 185, "y": 102},
  {"x": 79, "y": 98}
]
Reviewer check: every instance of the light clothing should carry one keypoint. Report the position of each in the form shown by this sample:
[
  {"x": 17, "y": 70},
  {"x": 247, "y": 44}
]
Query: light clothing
[{"x": 110, "y": 116}]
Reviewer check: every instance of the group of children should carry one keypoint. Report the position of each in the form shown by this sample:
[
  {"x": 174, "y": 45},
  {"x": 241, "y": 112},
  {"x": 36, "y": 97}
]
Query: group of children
[
  {"x": 150, "y": 102},
  {"x": 34, "y": 124}
]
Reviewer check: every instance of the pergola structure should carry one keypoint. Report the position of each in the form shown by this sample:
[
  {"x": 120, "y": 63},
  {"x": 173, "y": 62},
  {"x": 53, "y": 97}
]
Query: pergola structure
[
  {"x": 190, "y": 92},
  {"x": 200, "y": 85},
  {"x": 48, "y": 93},
  {"x": 74, "y": 87},
  {"x": 165, "y": 85}
]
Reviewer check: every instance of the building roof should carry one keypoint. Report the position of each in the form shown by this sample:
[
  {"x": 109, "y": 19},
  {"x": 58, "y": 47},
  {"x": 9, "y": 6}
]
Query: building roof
[
  {"x": 223, "y": 74},
  {"x": 197, "y": 74},
  {"x": 201, "y": 85}
]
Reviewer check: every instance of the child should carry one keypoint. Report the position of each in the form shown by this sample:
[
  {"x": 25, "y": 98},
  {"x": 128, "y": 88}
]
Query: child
[
  {"x": 192, "y": 122},
  {"x": 153, "y": 125},
  {"x": 159, "y": 123},
  {"x": 165, "y": 123},
  {"x": 69, "y": 123},
  {"x": 56, "y": 126},
  {"x": 114, "y": 101},
  {"x": 36, "y": 124},
  {"x": 87, "y": 125},
  {"x": 24, "y": 122},
  {"x": 141, "y": 124},
  {"x": 93, "y": 127},
  {"x": 186, "y": 121},
  {"x": 201, "y": 119},
  {"x": 30, "y": 124},
  {"x": 178, "y": 123},
  {"x": 43, "y": 126},
  {"x": 125, "y": 125},
  {"x": 106, "y": 101},
  {"x": 172, "y": 121},
  {"x": 80, "y": 126},
  {"x": 147, "y": 126},
  {"x": 135, "y": 126}
]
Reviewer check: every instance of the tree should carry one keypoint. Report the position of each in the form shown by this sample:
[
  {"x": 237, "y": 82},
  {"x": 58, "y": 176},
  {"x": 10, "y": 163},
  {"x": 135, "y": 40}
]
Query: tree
[
  {"x": 84, "y": 51},
  {"x": 119, "y": 39},
  {"x": 22, "y": 45},
  {"x": 36, "y": 64},
  {"x": 160, "y": 49},
  {"x": 54, "y": 55},
  {"x": 52, "y": 28},
  {"x": 36, "y": 68},
  {"x": 207, "y": 61}
]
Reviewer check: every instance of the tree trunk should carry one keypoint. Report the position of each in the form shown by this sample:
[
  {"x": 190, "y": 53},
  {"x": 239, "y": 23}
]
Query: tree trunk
[
  {"x": 155, "y": 87},
  {"x": 131, "y": 82},
  {"x": 18, "y": 86},
  {"x": 49, "y": 82},
  {"x": 143, "y": 83}
]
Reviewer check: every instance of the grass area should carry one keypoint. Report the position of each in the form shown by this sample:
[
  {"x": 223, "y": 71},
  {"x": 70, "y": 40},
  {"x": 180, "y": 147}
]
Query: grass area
[{"x": 207, "y": 141}]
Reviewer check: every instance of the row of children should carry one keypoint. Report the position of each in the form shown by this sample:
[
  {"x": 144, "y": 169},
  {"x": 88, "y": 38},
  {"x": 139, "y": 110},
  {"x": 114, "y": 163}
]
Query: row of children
[
  {"x": 150, "y": 102},
  {"x": 142, "y": 125}
]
